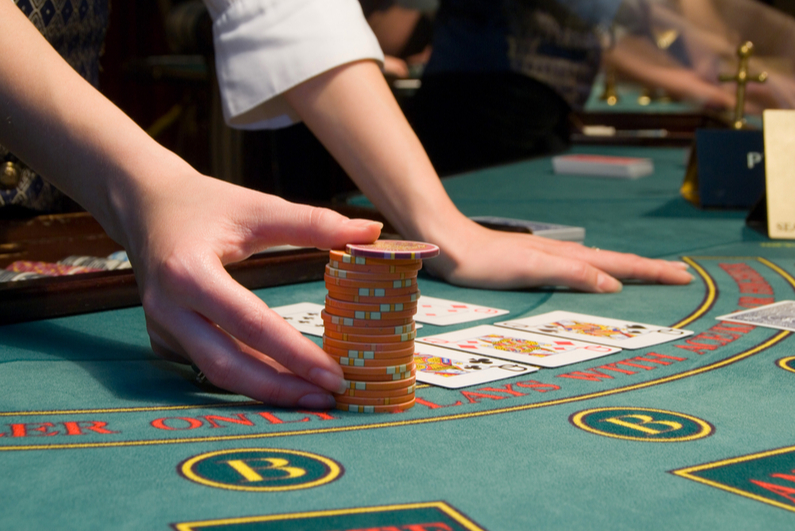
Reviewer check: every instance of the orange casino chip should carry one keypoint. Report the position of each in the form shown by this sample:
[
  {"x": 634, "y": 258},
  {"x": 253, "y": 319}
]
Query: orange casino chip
[
  {"x": 377, "y": 362},
  {"x": 387, "y": 370},
  {"x": 371, "y": 330},
  {"x": 350, "y": 321},
  {"x": 368, "y": 401},
  {"x": 360, "y": 385},
  {"x": 369, "y": 354},
  {"x": 370, "y": 284},
  {"x": 375, "y": 409},
  {"x": 347, "y": 258},
  {"x": 372, "y": 316},
  {"x": 359, "y": 345},
  {"x": 403, "y": 391},
  {"x": 375, "y": 268},
  {"x": 339, "y": 292},
  {"x": 348, "y": 295},
  {"x": 359, "y": 338},
  {"x": 360, "y": 377},
  {"x": 371, "y": 306},
  {"x": 368, "y": 276}
]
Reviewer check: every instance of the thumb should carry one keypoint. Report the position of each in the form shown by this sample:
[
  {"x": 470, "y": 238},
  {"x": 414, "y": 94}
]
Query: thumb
[{"x": 284, "y": 222}]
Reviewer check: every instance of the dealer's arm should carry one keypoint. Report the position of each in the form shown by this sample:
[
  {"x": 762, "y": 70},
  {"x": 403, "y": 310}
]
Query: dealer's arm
[
  {"x": 178, "y": 226},
  {"x": 352, "y": 111}
]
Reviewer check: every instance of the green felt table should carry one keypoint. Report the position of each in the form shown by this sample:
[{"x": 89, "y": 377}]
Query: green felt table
[{"x": 97, "y": 433}]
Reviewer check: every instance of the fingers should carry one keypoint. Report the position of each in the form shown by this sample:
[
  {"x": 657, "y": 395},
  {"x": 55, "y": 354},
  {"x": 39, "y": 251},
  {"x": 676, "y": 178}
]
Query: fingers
[
  {"x": 163, "y": 343},
  {"x": 626, "y": 266},
  {"x": 229, "y": 364},
  {"x": 533, "y": 261},
  {"x": 542, "y": 269},
  {"x": 206, "y": 288},
  {"x": 274, "y": 221}
]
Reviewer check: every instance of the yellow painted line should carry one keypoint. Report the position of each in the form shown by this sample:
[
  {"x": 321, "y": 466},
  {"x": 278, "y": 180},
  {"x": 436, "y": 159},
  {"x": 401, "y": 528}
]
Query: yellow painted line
[
  {"x": 709, "y": 299},
  {"x": 783, "y": 363},
  {"x": 443, "y": 507},
  {"x": 126, "y": 409},
  {"x": 599, "y": 394},
  {"x": 686, "y": 473}
]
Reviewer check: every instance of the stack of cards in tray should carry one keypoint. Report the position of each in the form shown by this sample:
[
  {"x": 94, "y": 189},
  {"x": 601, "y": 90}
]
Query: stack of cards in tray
[{"x": 369, "y": 324}]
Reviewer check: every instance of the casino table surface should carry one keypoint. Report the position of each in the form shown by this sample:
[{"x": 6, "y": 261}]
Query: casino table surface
[{"x": 97, "y": 433}]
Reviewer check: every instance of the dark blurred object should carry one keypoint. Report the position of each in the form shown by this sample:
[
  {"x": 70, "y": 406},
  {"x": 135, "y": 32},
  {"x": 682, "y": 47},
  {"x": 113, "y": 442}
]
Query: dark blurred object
[
  {"x": 189, "y": 28},
  {"x": 467, "y": 121},
  {"x": 169, "y": 94}
]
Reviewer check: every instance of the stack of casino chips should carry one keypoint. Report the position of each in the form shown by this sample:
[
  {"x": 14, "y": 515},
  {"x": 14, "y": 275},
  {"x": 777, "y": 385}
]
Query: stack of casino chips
[{"x": 369, "y": 324}]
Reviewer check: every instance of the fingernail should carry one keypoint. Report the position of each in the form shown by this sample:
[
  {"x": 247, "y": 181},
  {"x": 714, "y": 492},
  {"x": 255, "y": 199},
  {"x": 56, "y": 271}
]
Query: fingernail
[
  {"x": 317, "y": 401},
  {"x": 680, "y": 265},
  {"x": 608, "y": 284},
  {"x": 327, "y": 380},
  {"x": 365, "y": 223}
]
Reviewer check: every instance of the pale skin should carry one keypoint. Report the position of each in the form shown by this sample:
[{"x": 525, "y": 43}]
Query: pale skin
[
  {"x": 351, "y": 110},
  {"x": 180, "y": 227}
]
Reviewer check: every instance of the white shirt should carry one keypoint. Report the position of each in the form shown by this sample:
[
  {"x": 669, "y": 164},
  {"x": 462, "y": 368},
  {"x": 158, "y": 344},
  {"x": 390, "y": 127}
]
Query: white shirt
[{"x": 265, "y": 47}]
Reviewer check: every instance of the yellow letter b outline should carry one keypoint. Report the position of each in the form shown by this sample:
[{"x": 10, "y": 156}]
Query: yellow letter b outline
[
  {"x": 642, "y": 424},
  {"x": 249, "y": 472}
]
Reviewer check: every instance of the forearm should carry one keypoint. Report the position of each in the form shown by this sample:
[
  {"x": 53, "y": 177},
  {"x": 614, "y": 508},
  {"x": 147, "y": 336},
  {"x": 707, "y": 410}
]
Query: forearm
[
  {"x": 352, "y": 111},
  {"x": 68, "y": 132}
]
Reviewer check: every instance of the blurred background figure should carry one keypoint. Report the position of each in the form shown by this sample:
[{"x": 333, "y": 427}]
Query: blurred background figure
[
  {"x": 682, "y": 47},
  {"x": 404, "y": 31},
  {"x": 505, "y": 76}
]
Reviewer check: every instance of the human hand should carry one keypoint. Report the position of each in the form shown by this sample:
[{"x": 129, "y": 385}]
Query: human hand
[
  {"x": 183, "y": 235},
  {"x": 395, "y": 66},
  {"x": 478, "y": 257}
]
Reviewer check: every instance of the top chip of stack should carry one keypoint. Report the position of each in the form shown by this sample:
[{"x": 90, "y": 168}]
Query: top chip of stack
[
  {"x": 373, "y": 291},
  {"x": 394, "y": 250}
]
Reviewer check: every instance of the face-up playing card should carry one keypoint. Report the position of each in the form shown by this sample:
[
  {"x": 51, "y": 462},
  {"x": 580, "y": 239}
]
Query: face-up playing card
[
  {"x": 305, "y": 316},
  {"x": 454, "y": 370},
  {"x": 780, "y": 315},
  {"x": 442, "y": 312},
  {"x": 601, "y": 330},
  {"x": 522, "y": 347}
]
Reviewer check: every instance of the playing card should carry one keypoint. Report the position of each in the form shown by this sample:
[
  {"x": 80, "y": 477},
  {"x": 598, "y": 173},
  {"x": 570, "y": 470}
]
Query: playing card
[
  {"x": 603, "y": 166},
  {"x": 601, "y": 330},
  {"x": 780, "y": 315},
  {"x": 442, "y": 312},
  {"x": 523, "y": 347},
  {"x": 454, "y": 370},
  {"x": 305, "y": 316}
]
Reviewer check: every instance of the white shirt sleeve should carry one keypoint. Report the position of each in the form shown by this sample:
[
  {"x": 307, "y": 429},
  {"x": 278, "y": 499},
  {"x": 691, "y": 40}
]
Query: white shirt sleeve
[{"x": 265, "y": 47}]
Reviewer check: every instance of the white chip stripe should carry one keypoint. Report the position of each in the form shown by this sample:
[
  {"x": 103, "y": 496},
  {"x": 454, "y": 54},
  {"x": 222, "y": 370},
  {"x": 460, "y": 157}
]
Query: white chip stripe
[
  {"x": 345, "y": 321},
  {"x": 392, "y": 255},
  {"x": 354, "y": 362},
  {"x": 366, "y": 292},
  {"x": 362, "y": 354}
]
